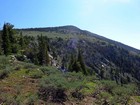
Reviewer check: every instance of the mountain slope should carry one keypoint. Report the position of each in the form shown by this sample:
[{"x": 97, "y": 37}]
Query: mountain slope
[
  {"x": 27, "y": 84},
  {"x": 109, "y": 76},
  {"x": 106, "y": 58},
  {"x": 69, "y": 29}
]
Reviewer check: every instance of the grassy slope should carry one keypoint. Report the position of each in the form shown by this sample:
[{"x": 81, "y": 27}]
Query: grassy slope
[
  {"x": 16, "y": 85},
  {"x": 21, "y": 85},
  {"x": 76, "y": 30},
  {"x": 57, "y": 35},
  {"x": 96, "y": 49}
]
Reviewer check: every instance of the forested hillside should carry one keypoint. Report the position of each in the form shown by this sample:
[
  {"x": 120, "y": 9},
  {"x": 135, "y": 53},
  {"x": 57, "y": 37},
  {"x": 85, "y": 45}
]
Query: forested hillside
[
  {"x": 66, "y": 65},
  {"x": 106, "y": 58}
]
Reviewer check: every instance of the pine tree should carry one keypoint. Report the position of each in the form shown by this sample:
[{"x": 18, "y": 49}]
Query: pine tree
[
  {"x": 9, "y": 44},
  {"x": 33, "y": 52},
  {"x": 40, "y": 53},
  {"x": 11, "y": 33},
  {"x": 46, "y": 60},
  {"x": 76, "y": 67},
  {"x": 72, "y": 61},
  {"x": 12, "y": 38},
  {"x": 1, "y": 43},
  {"x": 36, "y": 62},
  {"x": 5, "y": 40},
  {"x": 78, "y": 64},
  {"x": 102, "y": 74},
  {"x": 21, "y": 41},
  {"x": 43, "y": 51},
  {"x": 81, "y": 62}
]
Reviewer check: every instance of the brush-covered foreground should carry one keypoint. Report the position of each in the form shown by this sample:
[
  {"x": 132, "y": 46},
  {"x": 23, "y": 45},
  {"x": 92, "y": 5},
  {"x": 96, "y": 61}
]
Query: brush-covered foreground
[{"x": 27, "y": 84}]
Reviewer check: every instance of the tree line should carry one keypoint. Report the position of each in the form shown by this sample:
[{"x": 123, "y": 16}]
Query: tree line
[
  {"x": 36, "y": 49},
  {"x": 12, "y": 43}
]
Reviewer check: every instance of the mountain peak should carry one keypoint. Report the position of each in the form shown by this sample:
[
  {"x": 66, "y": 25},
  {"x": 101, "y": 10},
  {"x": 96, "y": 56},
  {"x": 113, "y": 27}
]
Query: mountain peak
[{"x": 69, "y": 27}]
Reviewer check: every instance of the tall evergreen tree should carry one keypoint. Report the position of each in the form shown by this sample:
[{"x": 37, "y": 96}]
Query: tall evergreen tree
[
  {"x": 81, "y": 62},
  {"x": 32, "y": 51},
  {"x": 5, "y": 40},
  {"x": 77, "y": 64},
  {"x": 45, "y": 55},
  {"x": 71, "y": 63},
  {"x": 11, "y": 33},
  {"x": 40, "y": 47},
  {"x": 21, "y": 41},
  {"x": 76, "y": 67},
  {"x": 9, "y": 44},
  {"x": 1, "y": 42},
  {"x": 43, "y": 51}
]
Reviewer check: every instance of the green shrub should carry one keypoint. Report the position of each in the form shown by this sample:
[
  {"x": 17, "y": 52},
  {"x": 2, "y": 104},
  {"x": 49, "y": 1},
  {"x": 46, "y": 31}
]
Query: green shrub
[
  {"x": 53, "y": 86},
  {"x": 8, "y": 99},
  {"x": 35, "y": 73},
  {"x": 78, "y": 95},
  {"x": 21, "y": 57},
  {"x": 126, "y": 90},
  {"x": 56, "y": 84},
  {"x": 49, "y": 70},
  {"x": 27, "y": 98},
  {"x": 104, "y": 98},
  {"x": 54, "y": 80},
  {"x": 51, "y": 93},
  {"x": 5, "y": 71},
  {"x": 118, "y": 94},
  {"x": 137, "y": 98},
  {"x": 28, "y": 65},
  {"x": 88, "y": 88},
  {"x": 4, "y": 61},
  {"x": 3, "y": 74},
  {"x": 73, "y": 76},
  {"x": 75, "y": 80},
  {"x": 109, "y": 85}
]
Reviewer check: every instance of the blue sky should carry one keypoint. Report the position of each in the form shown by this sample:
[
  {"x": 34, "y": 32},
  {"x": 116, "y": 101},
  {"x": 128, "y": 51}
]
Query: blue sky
[{"x": 115, "y": 19}]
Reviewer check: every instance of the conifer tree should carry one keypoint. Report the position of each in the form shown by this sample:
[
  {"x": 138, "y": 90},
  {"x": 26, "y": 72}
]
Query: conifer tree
[
  {"x": 76, "y": 67},
  {"x": 81, "y": 62},
  {"x": 36, "y": 62},
  {"x": 43, "y": 51},
  {"x": 33, "y": 52},
  {"x": 21, "y": 41},
  {"x": 46, "y": 60},
  {"x": 1, "y": 43},
  {"x": 9, "y": 44},
  {"x": 40, "y": 53},
  {"x": 102, "y": 73},
  {"x": 71, "y": 63},
  {"x": 11, "y": 33},
  {"x": 5, "y": 40}
]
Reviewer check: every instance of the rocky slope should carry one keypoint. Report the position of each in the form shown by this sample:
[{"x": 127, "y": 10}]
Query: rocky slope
[{"x": 106, "y": 58}]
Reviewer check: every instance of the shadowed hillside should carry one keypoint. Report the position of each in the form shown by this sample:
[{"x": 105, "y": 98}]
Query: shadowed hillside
[{"x": 107, "y": 58}]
